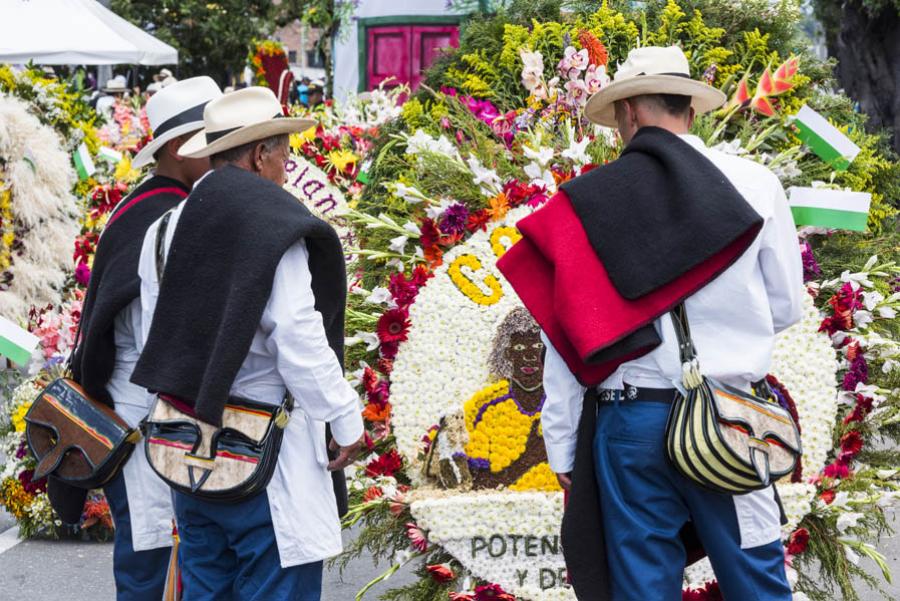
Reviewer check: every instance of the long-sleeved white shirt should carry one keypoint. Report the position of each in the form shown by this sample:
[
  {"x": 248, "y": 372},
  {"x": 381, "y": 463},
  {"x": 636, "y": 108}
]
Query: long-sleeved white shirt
[
  {"x": 289, "y": 351},
  {"x": 733, "y": 319},
  {"x": 149, "y": 498}
]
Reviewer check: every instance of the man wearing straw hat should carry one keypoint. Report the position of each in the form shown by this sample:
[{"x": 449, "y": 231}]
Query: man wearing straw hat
[
  {"x": 110, "y": 343},
  {"x": 251, "y": 305},
  {"x": 600, "y": 266}
]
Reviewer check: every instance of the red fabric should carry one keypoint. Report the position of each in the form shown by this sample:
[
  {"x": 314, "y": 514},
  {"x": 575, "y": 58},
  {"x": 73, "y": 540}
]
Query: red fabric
[
  {"x": 562, "y": 282},
  {"x": 144, "y": 196}
]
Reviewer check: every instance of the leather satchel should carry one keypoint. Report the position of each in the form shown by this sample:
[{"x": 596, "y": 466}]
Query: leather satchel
[
  {"x": 226, "y": 464},
  {"x": 723, "y": 438},
  {"x": 79, "y": 441}
]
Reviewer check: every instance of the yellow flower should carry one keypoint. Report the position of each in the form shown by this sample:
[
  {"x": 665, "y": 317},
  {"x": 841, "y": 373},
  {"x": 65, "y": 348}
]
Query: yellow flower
[
  {"x": 124, "y": 172},
  {"x": 342, "y": 158},
  {"x": 18, "y": 416}
]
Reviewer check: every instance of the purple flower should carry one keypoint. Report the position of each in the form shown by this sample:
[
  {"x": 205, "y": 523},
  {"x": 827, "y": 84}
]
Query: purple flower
[
  {"x": 21, "y": 451},
  {"x": 479, "y": 464},
  {"x": 858, "y": 373},
  {"x": 455, "y": 219},
  {"x": 811, "y": 269},
  {"x": 83, "y": 274}
]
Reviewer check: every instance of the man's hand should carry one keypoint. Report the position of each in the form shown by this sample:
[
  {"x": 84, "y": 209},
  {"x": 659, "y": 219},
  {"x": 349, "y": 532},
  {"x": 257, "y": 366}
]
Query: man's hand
[
  {"x": 346, "y": 455},
  {"x": 565, "y": 480}
]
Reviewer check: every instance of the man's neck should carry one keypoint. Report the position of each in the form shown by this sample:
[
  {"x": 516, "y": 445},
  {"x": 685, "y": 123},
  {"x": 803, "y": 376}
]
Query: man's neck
[{"x": 176, "y": 174}]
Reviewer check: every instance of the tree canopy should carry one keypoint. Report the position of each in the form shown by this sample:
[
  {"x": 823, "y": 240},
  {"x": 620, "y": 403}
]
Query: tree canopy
[{"x": 211, "y": 37}]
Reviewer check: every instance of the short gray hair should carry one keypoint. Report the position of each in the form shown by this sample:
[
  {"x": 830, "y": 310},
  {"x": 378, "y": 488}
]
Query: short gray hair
[
  {"x": 233, "y": 155},
  {"x": 517, "y": 321}
]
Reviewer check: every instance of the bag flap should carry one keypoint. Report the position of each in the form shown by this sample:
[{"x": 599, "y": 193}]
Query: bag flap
[{"x": 763, "y": 419}]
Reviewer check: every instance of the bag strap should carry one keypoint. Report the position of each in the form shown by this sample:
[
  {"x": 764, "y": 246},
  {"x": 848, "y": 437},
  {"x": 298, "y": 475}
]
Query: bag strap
[
  {"x": 690, "y": 365},
  {"x": 161, "y": 245}
]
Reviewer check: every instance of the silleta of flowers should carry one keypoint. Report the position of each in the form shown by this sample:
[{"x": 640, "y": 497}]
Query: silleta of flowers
[
  {"x": 37, "y": 211},
  {"x": 500, "y": 124}
]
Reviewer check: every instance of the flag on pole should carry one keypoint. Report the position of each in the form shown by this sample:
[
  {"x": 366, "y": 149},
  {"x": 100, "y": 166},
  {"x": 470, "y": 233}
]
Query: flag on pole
[
  {"x": 824, "y": 139},
  {"x": 16, "y": 343},
  {"x": 833, "y": 209},
  {"x": 109, "y": 154},
  {"x": 83, "y": 162}
]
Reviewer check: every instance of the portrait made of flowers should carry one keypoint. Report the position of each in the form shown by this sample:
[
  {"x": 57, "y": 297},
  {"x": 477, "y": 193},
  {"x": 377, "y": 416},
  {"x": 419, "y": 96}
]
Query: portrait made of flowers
[{"x": 467, "y": 393}]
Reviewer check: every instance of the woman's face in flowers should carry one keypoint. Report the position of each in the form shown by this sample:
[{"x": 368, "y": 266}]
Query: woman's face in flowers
[{"x": 525, "y": 354}]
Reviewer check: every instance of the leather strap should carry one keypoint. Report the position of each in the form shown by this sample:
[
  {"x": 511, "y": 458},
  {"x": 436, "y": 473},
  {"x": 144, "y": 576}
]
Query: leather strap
[{"x": 161, "y": 245}]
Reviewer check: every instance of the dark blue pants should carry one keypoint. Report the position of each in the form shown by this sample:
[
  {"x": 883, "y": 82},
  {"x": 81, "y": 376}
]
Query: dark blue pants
[
  {"x": 645, "y": 502},
  {"x": 140, "y": 575},
  {"x": 228, "y": 552}
]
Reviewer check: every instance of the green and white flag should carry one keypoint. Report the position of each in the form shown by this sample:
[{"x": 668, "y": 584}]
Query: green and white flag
[
  {"x": 108, "y": 154},
  {"x": 83, "y": 162},
  {"x": 16, "y": 343},
  {"x": 832, "y": 209},
  {"x": 824, "y": 139}
]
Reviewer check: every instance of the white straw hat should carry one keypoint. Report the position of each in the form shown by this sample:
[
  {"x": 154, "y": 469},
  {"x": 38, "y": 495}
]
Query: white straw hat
[
  {"x": 116, "y": 84},
  {"x": 652, "y": 70},
  {"x": 239, "y": 118},
  {"x": 176, "y": 110}
]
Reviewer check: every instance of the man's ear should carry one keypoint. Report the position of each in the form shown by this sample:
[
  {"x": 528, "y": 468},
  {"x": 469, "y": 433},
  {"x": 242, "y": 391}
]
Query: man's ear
[
  {"x": 691, "y": 115},
  {"x": 173, "y": 146}
]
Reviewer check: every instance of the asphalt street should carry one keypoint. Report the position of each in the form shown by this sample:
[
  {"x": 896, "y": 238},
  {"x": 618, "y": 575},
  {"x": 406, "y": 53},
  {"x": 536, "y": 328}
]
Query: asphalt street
[{"x": 72, "y": 571}]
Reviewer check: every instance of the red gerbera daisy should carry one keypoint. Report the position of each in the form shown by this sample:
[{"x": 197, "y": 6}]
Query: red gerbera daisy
[{"x": 393, "y": 326}]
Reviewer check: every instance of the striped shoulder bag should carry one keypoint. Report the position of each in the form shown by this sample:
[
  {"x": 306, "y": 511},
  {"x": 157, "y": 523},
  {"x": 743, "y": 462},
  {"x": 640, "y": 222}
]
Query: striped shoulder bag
[{"x": 723, "y": 438}]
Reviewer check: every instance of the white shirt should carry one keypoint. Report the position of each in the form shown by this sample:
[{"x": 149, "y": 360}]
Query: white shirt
[
  {"x": 149, "y": 498},
  {"x": 733, "y": 319},
  {"x": 289, "y": 350}
]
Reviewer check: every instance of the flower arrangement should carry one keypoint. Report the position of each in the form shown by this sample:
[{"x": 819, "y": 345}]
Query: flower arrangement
[
  {"x": 262, "y": 54},
  {"x": 503, "y": 132},
  {"x": 37, "y": 211}
]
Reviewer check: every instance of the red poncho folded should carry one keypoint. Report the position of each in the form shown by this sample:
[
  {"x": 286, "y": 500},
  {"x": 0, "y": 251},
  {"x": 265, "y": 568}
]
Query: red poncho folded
[{"x": 558, "y": 276}]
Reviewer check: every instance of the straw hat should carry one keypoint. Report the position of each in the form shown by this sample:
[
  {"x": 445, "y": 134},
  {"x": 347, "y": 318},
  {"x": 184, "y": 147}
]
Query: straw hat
[
  {"x": 176, "y": 110},
  {"x": 239, "y": 118},
  {"x": 116, "y": 84},
  {"x": 652, "y": 70}
]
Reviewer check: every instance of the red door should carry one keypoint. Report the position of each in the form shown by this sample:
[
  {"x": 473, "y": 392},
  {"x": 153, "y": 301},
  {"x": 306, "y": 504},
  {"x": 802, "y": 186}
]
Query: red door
[{"x": 404, "y": 52}]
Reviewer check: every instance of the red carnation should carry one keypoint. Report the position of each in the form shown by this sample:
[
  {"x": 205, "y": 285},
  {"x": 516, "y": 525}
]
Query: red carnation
[
  {"x": 478, "y": 220},
  {"x": 454, "y": 596},
  {"x": 798, "y": 541},
  {"x": 386, "y": 465},
  {"x": 851, "y": 443},
  {"x": 837, "y": 470},
  {"x": 441, "y": 573},
  {"x": 492, "y": 592},
  {"x": 369, "y": 379},
  {"x": 430, "y": 234},
  {"x": 386, "y": 366},
  {"x": 827, "y": 496},
  {"x": 393, "y": 326}
]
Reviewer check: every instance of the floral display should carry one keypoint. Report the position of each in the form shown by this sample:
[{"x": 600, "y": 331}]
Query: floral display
[
  {"x": 267, "y": 57},
  {"x": 37, "y": 211},
  {"x": 501, "y": 125}
]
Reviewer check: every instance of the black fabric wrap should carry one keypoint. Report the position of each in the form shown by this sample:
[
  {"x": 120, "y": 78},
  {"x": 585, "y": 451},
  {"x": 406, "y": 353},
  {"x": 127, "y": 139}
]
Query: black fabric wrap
[
  {"x": 582, "y": 526},
  {"x": 659, "y": 210},
  {"x": 232, "y": 233},
  {"x": 115, "y": 283}
]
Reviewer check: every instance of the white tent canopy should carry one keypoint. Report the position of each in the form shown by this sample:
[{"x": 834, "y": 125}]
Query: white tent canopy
[{"x": 74, "y": 32}]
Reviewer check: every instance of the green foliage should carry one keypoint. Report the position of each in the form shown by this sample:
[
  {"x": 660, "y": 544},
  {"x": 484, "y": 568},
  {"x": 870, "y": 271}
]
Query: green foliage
[{"x": 211, "y": 37}]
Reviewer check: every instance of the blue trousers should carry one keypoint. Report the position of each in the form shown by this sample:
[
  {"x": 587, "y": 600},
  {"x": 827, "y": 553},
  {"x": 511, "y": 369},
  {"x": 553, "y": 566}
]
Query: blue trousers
[
  {"x": 228, "y": 552},
  {"x": 645, "y": 502},
  {"x": 140, "y": 575}
]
